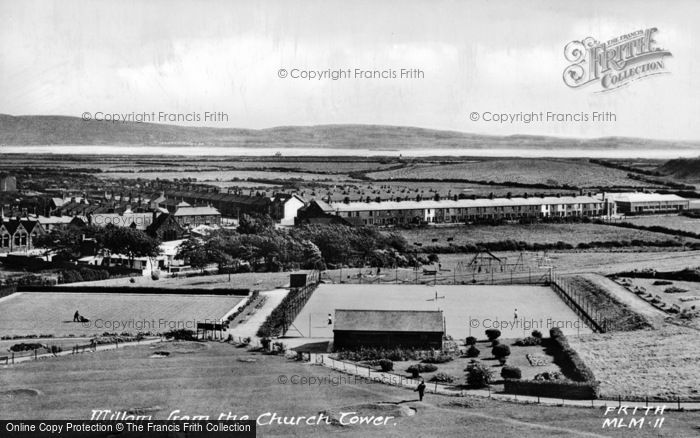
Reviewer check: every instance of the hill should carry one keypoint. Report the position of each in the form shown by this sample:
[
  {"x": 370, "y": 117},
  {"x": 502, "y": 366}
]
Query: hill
[
  {"x": 682, "y": 168},
  {"x": 63, "y": 130}
]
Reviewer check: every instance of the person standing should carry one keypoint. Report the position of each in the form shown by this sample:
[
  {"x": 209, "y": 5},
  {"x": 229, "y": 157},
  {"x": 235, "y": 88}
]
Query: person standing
[
  {"x": 76, "y": 316},
  {"x": 515, "y": 314},
  {"x": 421, "y": 389},
  {"x": 330, "y": 320}
]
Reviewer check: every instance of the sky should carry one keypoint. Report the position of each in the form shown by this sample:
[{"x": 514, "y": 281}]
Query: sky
[{"x": 186, "y": 57}]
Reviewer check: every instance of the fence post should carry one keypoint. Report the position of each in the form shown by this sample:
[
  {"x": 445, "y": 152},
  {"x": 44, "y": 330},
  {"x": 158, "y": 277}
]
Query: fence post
[
  {"x": 35, "y": 354},
  {"x": 679, "y": 403},
  {"x": 13, "y": 358}
]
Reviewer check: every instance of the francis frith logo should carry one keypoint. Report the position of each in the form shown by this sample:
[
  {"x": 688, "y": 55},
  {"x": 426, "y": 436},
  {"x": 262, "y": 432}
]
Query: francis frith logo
[{"x": 615, "y": 63}]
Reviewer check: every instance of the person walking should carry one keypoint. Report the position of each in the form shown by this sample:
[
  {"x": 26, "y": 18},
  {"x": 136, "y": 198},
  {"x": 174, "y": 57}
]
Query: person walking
[
  {"x": 421, "y": 389},
  {"x": 76, "y": 316}
]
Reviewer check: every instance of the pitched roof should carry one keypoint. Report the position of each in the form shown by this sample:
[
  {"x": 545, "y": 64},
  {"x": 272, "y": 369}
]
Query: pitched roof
[
  {"x": 388, "y": 320},
  {"x": 463, "y": 203}
]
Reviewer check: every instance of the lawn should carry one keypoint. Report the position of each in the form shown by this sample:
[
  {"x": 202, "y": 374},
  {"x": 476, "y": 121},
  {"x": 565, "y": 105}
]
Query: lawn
[
  {"x": 252, "y": 281},
  {"x": 541, "y": 233},
  {"x": 661, "y": 363},
  {"x": 674, "y": 222},
  {"x": 214, "y": 378},
  {"x": 468, "y": 310},
  {"x": 553, "y": 172},
  {"x": 29, "y": 313}
]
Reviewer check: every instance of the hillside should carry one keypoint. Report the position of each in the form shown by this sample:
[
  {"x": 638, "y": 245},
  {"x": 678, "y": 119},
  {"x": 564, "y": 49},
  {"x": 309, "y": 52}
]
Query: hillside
[
  {"x": 682, "y": 168},
  {"x": 63, "y": 130}
]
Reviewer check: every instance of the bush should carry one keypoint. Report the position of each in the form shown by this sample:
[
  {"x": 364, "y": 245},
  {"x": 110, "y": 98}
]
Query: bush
[
  {"x": 265, "y": 342},
  {"x": 279, "y": 348},
  {"x": 181, "y": 335},
  {"x": 509, "y": 372},
  {"x": 438, "y": 358},
  {"x": 473, "y": 352},
  {"x": 386, "y": 365},
  {"x": 478, "y": 375},
  {"x": 155, "y": 275},
  {"x": 493, "y": 334},
  {"x": 471, "y": 340},
  {"x": 25, "y": 347},
  {"x": 415, "y": 370},
  {"x": 442, "y": 378},
  {"x": 662, "y": 283},
  {"x": 537, "y": 334},
  {"x": 501, "y": 351},
  {"x": 495, "y": 342}
]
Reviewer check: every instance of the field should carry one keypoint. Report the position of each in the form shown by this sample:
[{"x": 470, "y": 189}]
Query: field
[
  {"x": 468, "y": 310},
  {"x": 29, "y": 313},
  {"x": 675, "y": 222},
  {"x": 533, "y": 233},
  {"x": 253, "y": 281},
  {"x": 579, "y": 173},
  {"x": 214, "y": 378},
  {"x": 661, "y": 363}
]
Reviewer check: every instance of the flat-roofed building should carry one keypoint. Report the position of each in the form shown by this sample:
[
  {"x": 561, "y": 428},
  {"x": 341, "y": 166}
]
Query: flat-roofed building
[{"x": 648, "y": 203}]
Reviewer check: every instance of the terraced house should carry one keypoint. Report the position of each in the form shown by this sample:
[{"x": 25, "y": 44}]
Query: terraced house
[
  {"x": 18, "y": 234},
  {"x": 467, "y": 210}
]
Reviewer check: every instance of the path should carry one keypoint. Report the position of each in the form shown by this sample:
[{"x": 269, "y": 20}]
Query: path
[
  {"x": 405, "y": 382},
  {"x": 250, "y": 327}
]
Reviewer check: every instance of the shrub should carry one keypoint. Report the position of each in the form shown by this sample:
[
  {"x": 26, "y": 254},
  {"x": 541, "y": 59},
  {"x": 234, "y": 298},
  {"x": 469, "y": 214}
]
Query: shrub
[
  {"x": 155, "y": 275},
  {"x": 510, "y": 372},
  {"x": 279, "y": 348},
  {"x": 442, "y": 378},
  {"x": 495, "y": 342},
  {"x": 246, "y": 340},
  {"x": 471, "y": 340},
  {"x": 493, "y": 334},
  {"x": 501, "y": 351},
  {"x": 25, "y": 346},
  {"x": 265, "y": 342},
  {"x": 537, "y": 334},
  {"x": 415, "y": 370},
  {"x": 386, "y": 365},
  {"x": 473, "y": 352},
  {"x": 662, "y": 283},
  {"x": 478, "y": 375},
  {"x": 178, "y": 335},
  {"x": 438, "y": 358}
]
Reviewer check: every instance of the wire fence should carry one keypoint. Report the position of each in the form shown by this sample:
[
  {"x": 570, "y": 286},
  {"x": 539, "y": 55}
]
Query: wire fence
[{"x": 526, "y": 275}]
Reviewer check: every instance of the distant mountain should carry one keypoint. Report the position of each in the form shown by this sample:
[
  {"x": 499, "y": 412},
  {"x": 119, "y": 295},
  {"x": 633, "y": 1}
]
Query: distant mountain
[
  {"x": 682, "y": 168},
  {"x": 62, "y": 130}
]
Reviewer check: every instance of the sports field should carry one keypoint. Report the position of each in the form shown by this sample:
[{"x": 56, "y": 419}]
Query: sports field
[
  {"x": 467, "y": 309},
  {"x": 51, "y": 313}
]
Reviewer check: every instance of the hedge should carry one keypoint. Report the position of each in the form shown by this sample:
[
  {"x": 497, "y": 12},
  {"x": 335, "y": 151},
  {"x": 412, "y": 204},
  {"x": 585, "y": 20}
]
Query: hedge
[
  {"x": 554, "y": 389},
  {"x": 133, "y": 290},
  {"x": 570, "y": 362}
]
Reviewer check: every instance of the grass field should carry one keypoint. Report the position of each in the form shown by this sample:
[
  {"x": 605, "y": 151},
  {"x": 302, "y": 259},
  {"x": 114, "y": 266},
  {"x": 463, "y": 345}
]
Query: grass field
[
  {"x": 52, "y": 313},
  {"x": 468, "y": 310},
  {"x": 579, "y": 173},
  {"x": 674, "y": 222},
  {"x": 252, "y": 281},
  {"x": 208, "y": 379},
  {"x": 533, "y": 233},
  {"x": 660, "y": 363}
]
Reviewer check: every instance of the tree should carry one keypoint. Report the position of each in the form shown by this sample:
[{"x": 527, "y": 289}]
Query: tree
[
  {"x": 312, "y": 256},
  {"x": 193, "y": 252},
  {"x": 501, "y": 352},
  {"x": 66, "y": 243},
  {"x": 129, "y": 242},
  {"x": 255, "y": 224}
]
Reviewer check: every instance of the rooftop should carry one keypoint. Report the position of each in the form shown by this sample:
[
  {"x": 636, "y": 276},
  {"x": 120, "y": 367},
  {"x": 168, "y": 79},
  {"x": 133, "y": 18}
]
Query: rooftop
[
  {"x": 463, "y": 203},
  {"x": 643, "y": 197},
  {"x": 389, "y": 320}
]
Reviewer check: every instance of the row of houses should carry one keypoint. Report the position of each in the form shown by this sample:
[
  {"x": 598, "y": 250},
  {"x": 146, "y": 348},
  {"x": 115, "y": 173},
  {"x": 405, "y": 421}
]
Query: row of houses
[{"x": 386, "y": 213}]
